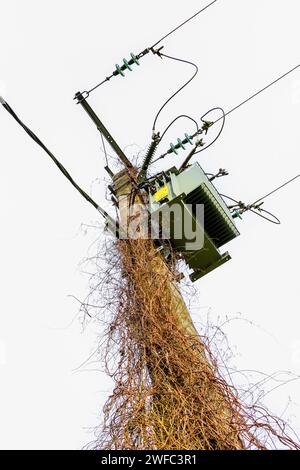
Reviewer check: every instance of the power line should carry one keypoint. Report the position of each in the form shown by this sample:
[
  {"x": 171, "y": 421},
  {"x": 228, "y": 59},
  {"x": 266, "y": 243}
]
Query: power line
[
  {"x": 182, "y": 24},
  {"x": 180, "y": 89},
  {"x": 134, "y": 59},
  {"x": 273, "y": 219},
  {"x": 198, "y": 132},
  {"x": 223, "y": 117},
  {"x": 277, "y": 189},
  {"x": 240, "y": 208},
  {"x": 237, "y": 107},
  {"x": 258, "y": 92},
  {"x": 54, "y": 159},
  {"x": 176, "y": 119},
  {"x": 255, "y": 207}
]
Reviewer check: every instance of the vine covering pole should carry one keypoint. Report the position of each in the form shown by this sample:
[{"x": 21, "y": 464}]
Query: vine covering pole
[{"x": 157, "y": 267}]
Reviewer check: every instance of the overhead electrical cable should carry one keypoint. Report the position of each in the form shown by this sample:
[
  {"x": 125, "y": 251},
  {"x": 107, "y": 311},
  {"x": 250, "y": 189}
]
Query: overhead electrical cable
[
  {"x": 199, "y": 132},
  {"x": 223, "y": 117},
  {"x": 54, "y": 159},
  {"x": 179, "y": 89},
  {"x": 258, "y": 92},
  {"x": 135, "y": 58},
  {"x": 277, "y": 189},
  {"x": 239, "y": 208},
  {"x": 225, "y": 114},
  {"x": 273, "y": 219},
  {"x": 176, "y": 119},
  {"x": 184, "y": 23},
  {"x": 255, "y": 207}
]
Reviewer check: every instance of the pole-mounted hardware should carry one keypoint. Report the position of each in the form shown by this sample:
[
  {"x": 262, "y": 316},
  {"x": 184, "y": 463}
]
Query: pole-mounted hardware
[
  {"x": 180, "y": 144},
  {"x": 102, "y": 129},
  {"x": 188, "y": 140},
  {"x": 240, "y": 208},
  {"x": 126, "y": 65},
  {"x": 200, "y": 143},
  {"x": 149, "y": 155},
  {"x": 220, "y": 173}
]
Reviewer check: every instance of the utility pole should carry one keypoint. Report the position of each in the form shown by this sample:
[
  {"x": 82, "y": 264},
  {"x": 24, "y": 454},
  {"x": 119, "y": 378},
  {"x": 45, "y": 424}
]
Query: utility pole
[
  {"x": 123, "y": 187},
  {"x": 176, "y": 360}
]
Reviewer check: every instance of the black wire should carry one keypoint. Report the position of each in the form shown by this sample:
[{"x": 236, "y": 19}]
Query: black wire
[
  {"x": 221, "y": 130},
  {"x": 194, "y": 151},
  {"x": 230, "y": 198},
  {"x": 276, "y": 221},
  {"x": 174, "y": 120},
  {"x": 148, "y": 49},
  {"x": 99, "y": 84},
  {"x": 104, "y": 148},
  {"x": 180, "y": 89},
  {"x": 258, "y": 92},
  {"x": 225, "y": 114},
  {"x": 277, "y": 189},
  {"x": 182, "y": 24},
  {"x": 57, "y": 162}
]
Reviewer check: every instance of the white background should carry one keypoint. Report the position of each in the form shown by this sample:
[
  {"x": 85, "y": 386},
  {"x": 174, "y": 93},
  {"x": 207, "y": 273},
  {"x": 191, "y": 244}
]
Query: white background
[{"x": 51, "y": 49}]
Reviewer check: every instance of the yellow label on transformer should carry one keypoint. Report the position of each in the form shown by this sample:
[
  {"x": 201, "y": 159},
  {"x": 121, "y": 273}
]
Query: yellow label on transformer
[{"x": 161, "y": 194}]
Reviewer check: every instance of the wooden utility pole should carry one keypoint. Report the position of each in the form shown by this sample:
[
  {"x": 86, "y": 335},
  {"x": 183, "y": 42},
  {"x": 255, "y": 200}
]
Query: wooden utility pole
[{"x": 123, "y": 186}]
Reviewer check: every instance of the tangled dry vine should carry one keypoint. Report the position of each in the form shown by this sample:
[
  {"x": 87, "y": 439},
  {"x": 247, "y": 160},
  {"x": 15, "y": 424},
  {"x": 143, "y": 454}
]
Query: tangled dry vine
[{"x": 168, "y": 391}]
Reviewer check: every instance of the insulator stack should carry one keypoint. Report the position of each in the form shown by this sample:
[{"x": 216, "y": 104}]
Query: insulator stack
[
  {"x": 126, "y": 65},
  {"x": 180, "y": 144},
  {"x": 237, "y": 214}
]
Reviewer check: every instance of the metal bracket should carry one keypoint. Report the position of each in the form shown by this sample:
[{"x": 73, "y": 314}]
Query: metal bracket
[{"x": 101, "y": 128}]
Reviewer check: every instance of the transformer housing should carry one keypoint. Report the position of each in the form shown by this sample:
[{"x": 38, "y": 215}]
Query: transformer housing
[{"x": 187, "y": 198}]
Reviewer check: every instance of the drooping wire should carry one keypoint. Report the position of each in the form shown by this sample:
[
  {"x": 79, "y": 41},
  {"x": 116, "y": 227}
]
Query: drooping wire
[
  {"x": 151, "y": 49},
  {"x": 273, "y": 220},
  {"x": 223, "y": 117},
  {"x": 179, "y": 117},
  {"x": 231, "y": 199},
  {"x": 255, "y": 206},
  {"x": 259, "y": 92},
  {"x": 180, "y": 89},
  {"x": 238, "y": 205},
  {"x": 53, "y": 158},
  {"x": 205, "y": 127},
  {"x": 225, "y": 114},
  {"x": 182, "y": 24}
]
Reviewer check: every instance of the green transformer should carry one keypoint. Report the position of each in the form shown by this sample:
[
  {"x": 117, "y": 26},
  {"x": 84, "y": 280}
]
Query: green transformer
[{"x": 187, "y": 210}]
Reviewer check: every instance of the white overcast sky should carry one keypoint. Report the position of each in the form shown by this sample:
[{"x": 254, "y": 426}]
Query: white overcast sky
[{"x": 50, "y": 50}]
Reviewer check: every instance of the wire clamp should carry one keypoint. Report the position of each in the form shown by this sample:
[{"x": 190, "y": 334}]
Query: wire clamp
[
  {"x": 81, "y": 96},
  {"x": 206, "y": 125},
  {"x": 200, "y": 143},
  {"x": 157, "y": 51},
  {"x": 221, "y": 172}
]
